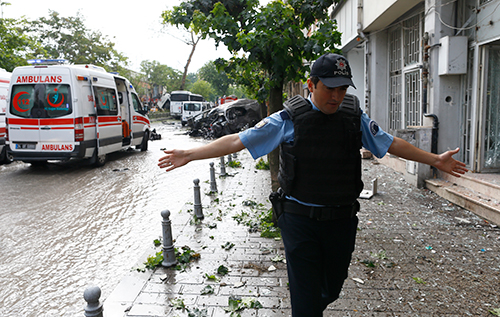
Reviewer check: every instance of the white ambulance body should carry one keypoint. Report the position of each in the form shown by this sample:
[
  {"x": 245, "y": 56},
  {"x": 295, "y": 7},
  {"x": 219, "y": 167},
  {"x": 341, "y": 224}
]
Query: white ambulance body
[
  {"x": 4, "y": 88},
  {"x": 60, "y": 112}
]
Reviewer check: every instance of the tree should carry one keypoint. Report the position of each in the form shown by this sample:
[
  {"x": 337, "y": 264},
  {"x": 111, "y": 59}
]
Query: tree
[
  {"x": 161, "y": 76},
  {"x": 15, "y": 45},
  {"x": 219, "y": 80},
  {"x": 273, "y": 38},
  {"x": 203, "y": 88},
  {"x": 68, "y": 38}
]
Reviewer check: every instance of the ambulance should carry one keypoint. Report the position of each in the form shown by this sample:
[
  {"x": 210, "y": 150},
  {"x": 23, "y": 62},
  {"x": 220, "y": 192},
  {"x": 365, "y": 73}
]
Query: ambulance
[
  {"x": 4, "y": 88},
  {"x": 62, "y": 112}
]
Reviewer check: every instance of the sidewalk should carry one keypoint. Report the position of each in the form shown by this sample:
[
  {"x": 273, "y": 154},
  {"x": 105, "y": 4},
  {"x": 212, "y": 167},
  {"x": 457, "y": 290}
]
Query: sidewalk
[{"x": 416, "y": 255}]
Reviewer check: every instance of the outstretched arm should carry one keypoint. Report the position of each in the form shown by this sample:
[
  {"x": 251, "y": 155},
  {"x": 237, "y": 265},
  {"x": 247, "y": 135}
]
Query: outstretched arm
[
  {"x": 220, "y": 147},
  {"x": 444, "y": 162}
]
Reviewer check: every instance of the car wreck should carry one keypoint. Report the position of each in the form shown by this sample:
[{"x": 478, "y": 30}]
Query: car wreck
[{"x": 225, "y": 119}]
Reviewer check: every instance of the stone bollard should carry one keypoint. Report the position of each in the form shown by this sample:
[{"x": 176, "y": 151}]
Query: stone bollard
[
  {"x": 213, "y": 184},
  {"x": 168, "y": 247},
  {"x": 198, "y": 212},
  {"x": 94, "y": 307},
  {"x": 222, "y": 166},
  {"x": 229, "y": 158}
]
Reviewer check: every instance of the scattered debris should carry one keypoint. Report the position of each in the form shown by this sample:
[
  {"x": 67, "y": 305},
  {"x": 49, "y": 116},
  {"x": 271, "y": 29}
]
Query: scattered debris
[
  {"x": 358, "y": 280},
  {"x": 222, "y": 270},
  {"x": 227, "y": 246},
  {"x": 239, "y": 284},
  {"x": 462, "y": 220},
  {"x": 207, "y": 290},
  {"x": 278, "y": 258},
  {"x": 154, "y": 136},
  {"x": 163, "y": 277},
  {"x": 237, "y": 304}
]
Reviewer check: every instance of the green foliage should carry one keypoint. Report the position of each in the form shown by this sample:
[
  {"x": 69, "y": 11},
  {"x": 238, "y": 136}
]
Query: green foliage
[
  {"x": 178, "y": 303},
  {"x": 381, "y": 255},
  {"x": 222, "y": 270},
  {"x": 227, "y": 246},
  {"x": 154, "y": 261},
  {"x": 16, "y": 46},
  {"x": 187, "y": 255},
  {"x": 268, "y": 230},
  {"x": 207, "y": 290},
  {"x": 203, "y": 88},
  {"x": 259, "y": 221},
  {"x": 262, "y": 165},
  {"x": 196, "y": 312},
  {"x": 234, "y": 164},
  {"x": 495, "y": 311},
  {"x": 237, "y": 304},
  {"x": 219, "y": 80},
  {"x": 157, "y": 242},
  {"x": 68, "y": 38},
  {"x": 183, "y": 258},
  {"x": 211, "y": 277},
  {"x": 159, "y": 75},
  {"x": 272, "y": 38},
  {"x": 419, "y": 280}
]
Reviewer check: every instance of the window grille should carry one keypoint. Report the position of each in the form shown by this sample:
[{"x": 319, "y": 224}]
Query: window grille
[
  {"x": 466, "y": 126},
  {"x": 413, "y": 103},
  {"x": 405, "y": 60}
]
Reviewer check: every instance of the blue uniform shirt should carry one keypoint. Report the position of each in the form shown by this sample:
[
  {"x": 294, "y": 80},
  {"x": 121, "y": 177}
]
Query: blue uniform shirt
[{"x": 269, "y": 133}]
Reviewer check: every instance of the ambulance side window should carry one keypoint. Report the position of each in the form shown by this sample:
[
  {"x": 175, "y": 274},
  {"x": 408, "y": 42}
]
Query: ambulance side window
[
  {"x": 136, "y": 102},
  {"x": 105, "y": 99}
]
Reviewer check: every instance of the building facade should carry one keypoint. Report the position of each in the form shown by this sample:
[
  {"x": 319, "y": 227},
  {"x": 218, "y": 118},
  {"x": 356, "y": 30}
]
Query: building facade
[{"x": 428, "y": 71}]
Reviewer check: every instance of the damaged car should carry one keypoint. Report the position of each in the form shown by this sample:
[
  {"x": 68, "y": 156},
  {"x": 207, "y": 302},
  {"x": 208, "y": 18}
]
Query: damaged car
[{"x": 225, "y": 119}]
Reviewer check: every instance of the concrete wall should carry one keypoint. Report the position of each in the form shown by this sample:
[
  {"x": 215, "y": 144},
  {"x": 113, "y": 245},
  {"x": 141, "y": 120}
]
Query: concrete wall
[
  {"x": 444, "y": 92},
  {"x": 378, "y": 81},
  {"x": 356, "y": 61}
]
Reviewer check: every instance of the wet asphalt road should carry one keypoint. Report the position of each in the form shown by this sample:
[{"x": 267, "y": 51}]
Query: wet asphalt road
[{"x": 66, "y": 226}]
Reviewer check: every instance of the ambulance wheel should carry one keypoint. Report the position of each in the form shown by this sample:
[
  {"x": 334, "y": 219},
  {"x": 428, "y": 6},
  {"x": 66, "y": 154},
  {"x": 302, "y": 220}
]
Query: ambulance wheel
[
  {"x": 144, "y": 144},
  {"x": 98, "y": 160},
  {"x": 5, "y": 157}
]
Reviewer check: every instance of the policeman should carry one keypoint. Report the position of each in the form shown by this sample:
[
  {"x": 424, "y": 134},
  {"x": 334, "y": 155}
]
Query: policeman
[{"x": 320, "y": 176}]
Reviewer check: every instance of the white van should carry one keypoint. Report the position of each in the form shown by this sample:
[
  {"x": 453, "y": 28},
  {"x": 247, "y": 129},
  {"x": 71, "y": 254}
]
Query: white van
[
  {"x": 4, "y": 88},
  {"x": 191, "y": 109},
  {"x": 60, "y": 112}
]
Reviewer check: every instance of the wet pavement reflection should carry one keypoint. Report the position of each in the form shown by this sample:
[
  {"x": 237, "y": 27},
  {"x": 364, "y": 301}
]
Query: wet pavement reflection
[{"x": 66, "y": 226}]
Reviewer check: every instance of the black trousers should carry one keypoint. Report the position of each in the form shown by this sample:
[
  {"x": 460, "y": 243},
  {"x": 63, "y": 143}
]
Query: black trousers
[{"x": 318, "y": 254}]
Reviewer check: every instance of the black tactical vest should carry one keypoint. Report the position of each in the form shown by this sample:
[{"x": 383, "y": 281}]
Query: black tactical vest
[{"x": 323, "y": 165}]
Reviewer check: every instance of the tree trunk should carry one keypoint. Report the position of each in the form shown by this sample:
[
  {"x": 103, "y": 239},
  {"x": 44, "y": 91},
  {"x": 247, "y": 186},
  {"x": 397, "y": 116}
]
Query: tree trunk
[
  {"x": 193, "y": 43},
  {"x": 275, "y": 104}
]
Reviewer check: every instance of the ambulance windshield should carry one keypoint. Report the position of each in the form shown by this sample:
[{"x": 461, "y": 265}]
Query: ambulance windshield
[{"x": 40, "y": 100}]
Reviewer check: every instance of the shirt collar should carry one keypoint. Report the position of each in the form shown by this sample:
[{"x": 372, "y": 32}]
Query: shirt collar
[{"x": 312, "y": 103}]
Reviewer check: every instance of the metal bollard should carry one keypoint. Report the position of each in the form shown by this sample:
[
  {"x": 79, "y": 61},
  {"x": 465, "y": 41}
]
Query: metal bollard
[
  {"x": 222, "y": 166},
  {"x": 213, "y": 184},
  {"x": 198, "y": 212},
  {"x": 94, "y": 307},
  {"x": 229, "y": 158},
  {"x": 168, "y": 247}
]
